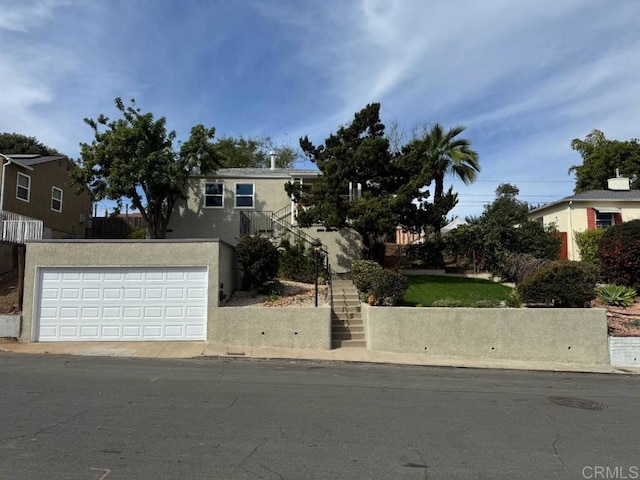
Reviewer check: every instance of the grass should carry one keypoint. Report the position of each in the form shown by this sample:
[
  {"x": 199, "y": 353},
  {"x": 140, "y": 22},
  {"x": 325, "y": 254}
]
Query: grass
[{"x": 462, "y": 292}]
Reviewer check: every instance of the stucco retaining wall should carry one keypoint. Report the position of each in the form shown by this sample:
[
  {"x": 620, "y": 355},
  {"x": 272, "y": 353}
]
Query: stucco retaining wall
[
  {"x": 10, "y": 326},
  {"x": 544, "y": 335},
  {"x": 272, "y": 327},
  {"x": 212, "y": 253}
]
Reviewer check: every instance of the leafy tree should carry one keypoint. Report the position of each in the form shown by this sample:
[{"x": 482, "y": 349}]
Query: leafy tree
[
  {"x": 503, "y": 229},
  {"x": 438, "y": 153},
  {"x": 240, "y": 152},
  {"x": 17, "y": 143},
  {"x": 356, "y": 153},
  {"x": 133, "y": 157},
  {"x": 601, "y": 158}
]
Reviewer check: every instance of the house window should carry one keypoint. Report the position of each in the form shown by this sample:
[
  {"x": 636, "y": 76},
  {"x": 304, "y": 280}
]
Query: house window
[
  {"x": 604, "y": 220},
  {"x": 244, "y": 195},
  {"x": 214, "y": 195},
  {"x": 56, "y": 199},
  {"x": 23, "y": 189}
]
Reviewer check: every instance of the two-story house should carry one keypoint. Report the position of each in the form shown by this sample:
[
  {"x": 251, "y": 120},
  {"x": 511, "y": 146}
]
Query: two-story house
[{"x": 38, "y": 187}]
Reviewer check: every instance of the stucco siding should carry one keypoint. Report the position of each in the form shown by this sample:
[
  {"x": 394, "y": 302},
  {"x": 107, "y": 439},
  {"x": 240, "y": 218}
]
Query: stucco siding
[
  {"x": 576, "y": 336},
  {"x": 216, "y": 256}
]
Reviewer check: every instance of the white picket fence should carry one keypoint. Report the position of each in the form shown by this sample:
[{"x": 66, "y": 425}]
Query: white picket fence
[{"x": 18, "y": 228}]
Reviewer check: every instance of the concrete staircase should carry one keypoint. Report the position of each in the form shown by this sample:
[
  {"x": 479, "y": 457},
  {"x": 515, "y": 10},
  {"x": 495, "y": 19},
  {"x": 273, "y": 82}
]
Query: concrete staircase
[{"x": 347, "y": 329}]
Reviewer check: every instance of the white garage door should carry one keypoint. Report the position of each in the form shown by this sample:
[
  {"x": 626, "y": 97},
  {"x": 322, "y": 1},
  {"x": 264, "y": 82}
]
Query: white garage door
[{"x": 122, "y": 304}]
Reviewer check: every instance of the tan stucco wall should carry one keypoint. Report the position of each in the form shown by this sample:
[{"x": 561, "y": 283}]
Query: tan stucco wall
[
  {"x": 344, "y": 246},
  {"x": 121, "y": 253},
  {"x": 573, "y": 218},
  {"x": 43, "y": 177},
  {"x": 527, "y": 334},
  {"x": 272, "y": 327},
  {"x": 191, "y": 219}
]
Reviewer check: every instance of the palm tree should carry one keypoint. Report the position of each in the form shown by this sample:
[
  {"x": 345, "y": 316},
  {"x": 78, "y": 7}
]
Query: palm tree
[
  {"x": 446, "y": 154},
  {"x": 440, "y": 153}
]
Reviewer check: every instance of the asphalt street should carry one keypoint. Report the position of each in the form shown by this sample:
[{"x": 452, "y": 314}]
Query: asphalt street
[{"x": 117, "y": 418}]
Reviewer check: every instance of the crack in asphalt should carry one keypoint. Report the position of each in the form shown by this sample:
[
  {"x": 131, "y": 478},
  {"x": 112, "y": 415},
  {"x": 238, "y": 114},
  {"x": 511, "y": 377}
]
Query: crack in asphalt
[{"x": 554, "y": 445}]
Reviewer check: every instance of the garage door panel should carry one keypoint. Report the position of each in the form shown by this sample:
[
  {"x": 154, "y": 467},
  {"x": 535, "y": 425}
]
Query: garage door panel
[{"x": 117, "y": 303}]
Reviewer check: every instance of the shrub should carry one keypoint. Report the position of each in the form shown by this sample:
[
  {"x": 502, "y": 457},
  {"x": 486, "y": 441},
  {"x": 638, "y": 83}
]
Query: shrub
[
  {"x": 447, "y": 302},
  {"x": 363, "y": 274},
  {"x": 298, "y": 264},
  {"x": 513, "y": 300},
  {"x": 589, "y": 243},
  {"x": 617, "y": 295},
  {"x": 518, "y": 266},
  {"x": 137, "y": 234},
  {"x": 381, "y": 287},
  {"x": 427, "y": 254},
  {"x": 620, "y": 254},
  {"x": 561, "y": 284},
  {"x": 259, "y": 259}
]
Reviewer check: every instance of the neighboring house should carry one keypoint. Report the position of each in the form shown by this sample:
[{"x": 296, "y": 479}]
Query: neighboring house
[
  {"x": 248, "y": 201},
  {"x": 589, "y": 210},
  {"x": 37, "y": 186}
]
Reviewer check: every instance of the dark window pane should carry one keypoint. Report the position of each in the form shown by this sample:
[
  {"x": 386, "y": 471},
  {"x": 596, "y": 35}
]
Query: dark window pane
[
  {"x": 213, "y": 201},
  {"x": 244, "y": 189},
  {"x": 244, "y": 201},
  {"x": 213, "y": 189}
]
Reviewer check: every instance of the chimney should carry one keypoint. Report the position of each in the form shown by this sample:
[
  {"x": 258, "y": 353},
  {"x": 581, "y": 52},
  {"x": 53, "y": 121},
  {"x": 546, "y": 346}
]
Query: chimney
[
  {"x": 272, "y": 155},
  {"x": 618, "y": 183}
]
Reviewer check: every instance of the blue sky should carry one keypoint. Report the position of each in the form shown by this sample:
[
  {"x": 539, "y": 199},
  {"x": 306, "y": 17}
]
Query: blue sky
[{"x": 525, "y": 77}]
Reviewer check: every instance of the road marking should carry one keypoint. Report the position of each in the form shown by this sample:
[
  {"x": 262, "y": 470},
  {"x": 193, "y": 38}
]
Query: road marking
[{"x": 106, "y": 470}]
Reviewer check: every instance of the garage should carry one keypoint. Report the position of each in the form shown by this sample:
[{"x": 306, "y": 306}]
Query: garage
[{"x": 121, "y": 304}]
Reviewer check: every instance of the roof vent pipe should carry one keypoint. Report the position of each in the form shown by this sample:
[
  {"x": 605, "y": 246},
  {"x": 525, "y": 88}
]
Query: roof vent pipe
[{"x": 272, "y": 155}]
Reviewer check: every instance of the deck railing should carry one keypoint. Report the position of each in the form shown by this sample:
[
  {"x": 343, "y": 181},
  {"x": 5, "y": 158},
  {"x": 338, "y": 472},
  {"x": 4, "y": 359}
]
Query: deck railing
[{"x": 19, "y": 229}]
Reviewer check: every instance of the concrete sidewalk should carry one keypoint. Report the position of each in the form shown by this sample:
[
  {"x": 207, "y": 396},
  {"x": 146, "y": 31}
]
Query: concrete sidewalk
[{"x": 205, "y": 349}]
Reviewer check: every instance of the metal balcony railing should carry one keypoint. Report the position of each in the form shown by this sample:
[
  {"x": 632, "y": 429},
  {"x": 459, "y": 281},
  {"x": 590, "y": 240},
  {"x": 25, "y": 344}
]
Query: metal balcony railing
[{"x": 19, "y": 229}]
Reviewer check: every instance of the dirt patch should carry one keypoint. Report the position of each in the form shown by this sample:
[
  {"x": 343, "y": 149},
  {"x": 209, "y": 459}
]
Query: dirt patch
[
  {"x": 9, "y": 297},
  {"x": 623, "y": 322},
  {"x": 295, "y": 294}
]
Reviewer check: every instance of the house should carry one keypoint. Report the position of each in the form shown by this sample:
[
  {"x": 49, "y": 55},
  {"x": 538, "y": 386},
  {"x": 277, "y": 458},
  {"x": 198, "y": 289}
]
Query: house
[
  {"x": 249, "y": 201},
  {"x": 37, "y": 187},
  {"x": 589, "y": 210}
]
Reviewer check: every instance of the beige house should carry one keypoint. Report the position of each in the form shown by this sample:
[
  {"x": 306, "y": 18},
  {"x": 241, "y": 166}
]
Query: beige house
[
  {"x": 249, "y": 201},
  {"x": 589, "y": 210},
  {"x": 37, "y": 186}
]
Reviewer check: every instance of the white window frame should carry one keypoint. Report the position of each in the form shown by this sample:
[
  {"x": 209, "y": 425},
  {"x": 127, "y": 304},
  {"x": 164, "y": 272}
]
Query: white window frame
[
  {"x": 54, "y": 199},
  {"x": 18, "y": 187},
  {"x": 253, "y": 196},
  {"x": 221, "y": 195}
]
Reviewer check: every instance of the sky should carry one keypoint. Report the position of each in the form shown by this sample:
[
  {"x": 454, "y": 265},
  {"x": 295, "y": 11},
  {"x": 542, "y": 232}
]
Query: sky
[{"x": 525, "y": 77}]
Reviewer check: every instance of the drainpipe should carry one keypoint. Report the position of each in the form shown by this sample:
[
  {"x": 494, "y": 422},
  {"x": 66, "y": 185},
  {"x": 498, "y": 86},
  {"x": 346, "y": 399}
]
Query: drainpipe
[
  {"x": 4, "y": 166},
  {"x": 570, "y": 235}
]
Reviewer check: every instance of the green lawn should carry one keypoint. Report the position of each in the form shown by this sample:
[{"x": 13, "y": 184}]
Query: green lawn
[{"x": 462, "y": 292}]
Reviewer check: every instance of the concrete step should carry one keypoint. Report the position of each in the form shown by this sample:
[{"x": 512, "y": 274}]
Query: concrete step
[
  {"x": 351, "y": 317},
  {"x": 347, "y": 336},
  {"x": 347, "y": 329},
  {"x": 348, "y": 344},
  {"x": 341, "y": 307}
]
